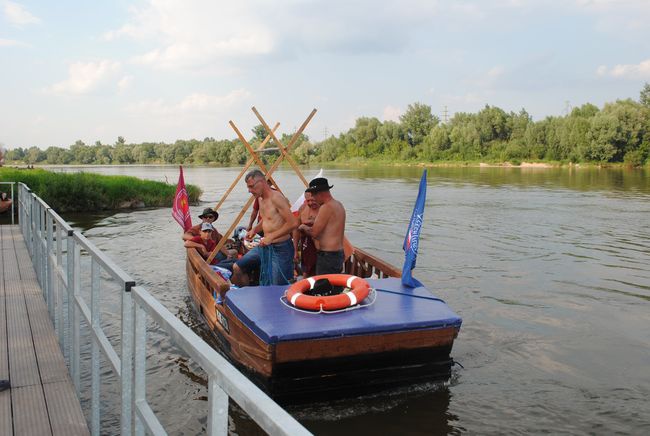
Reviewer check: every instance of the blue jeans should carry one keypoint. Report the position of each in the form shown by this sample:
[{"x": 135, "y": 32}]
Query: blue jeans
[
  {"x": 250, "y": 260},
  {"x": 277, "y": 263}
]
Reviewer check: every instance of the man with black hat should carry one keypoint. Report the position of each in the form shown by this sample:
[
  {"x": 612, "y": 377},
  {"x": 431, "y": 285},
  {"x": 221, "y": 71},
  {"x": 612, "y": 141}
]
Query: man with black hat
[{"x": 328, "y": 228}]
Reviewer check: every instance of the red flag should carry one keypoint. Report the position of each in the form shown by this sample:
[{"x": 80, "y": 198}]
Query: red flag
[{"x": 181, "y": 206}]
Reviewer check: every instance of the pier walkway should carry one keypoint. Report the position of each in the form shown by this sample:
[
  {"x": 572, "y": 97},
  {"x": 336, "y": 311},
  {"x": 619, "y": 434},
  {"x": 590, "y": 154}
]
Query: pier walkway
[
  {"x": 42, "y": 398},
  {"x": 51, "y": 280}
]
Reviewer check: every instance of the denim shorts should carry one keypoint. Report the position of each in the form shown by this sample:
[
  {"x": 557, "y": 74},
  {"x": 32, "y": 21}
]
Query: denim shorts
[
  {"x": 329, "y": 262},
  {"x": 250, "y": 260},
  {"x": 277, "y": 263}
]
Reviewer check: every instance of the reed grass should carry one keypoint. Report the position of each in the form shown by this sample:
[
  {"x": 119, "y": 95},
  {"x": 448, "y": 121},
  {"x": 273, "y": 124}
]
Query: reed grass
[{"x": 85, "y": 192}]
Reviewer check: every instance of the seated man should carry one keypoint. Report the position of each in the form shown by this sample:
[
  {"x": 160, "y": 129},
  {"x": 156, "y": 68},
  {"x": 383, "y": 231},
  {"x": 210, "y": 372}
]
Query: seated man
[
  {"x": 5, "y": 202},
  {"x": 203, "y": 243},
  {"x": 209, "y": 216}
]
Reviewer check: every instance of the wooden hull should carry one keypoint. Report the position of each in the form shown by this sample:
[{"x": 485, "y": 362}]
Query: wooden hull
[{"x": 296, "y": 370}]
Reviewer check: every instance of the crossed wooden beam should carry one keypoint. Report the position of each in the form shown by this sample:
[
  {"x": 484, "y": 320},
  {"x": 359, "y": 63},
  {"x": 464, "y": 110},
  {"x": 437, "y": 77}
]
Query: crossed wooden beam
[{"x": 284, "y": 154}]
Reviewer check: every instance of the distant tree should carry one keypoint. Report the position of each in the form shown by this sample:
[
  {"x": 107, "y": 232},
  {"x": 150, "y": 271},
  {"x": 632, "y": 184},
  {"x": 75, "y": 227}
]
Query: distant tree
[
  {"x": 259, "y": 133},
  {"x": 644, "y": 96},
  {"x": 418, "y": 122},
  {"x": 121, "y": 154},
  {"x": 15, "y": 154},
  {"x": 587, "y": 110},
  {"x": 34, "y": 155}
]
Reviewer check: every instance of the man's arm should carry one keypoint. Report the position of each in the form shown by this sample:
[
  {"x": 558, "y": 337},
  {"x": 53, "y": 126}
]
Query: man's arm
[
  {"x": 322, "y": 218},
  {"x": 251, "y": 221},
  {"x": 192, "y": 244},
  {"x": 191, "y": 233},
  {"x": 295, "y": 235}
]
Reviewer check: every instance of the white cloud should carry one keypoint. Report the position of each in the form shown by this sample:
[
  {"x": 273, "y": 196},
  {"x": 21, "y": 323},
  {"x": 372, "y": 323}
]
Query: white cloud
[
  {"x": 193, "y": 103},
  {"x": 191, "y": 34},
  {"x": 606, "y": 5},
  {"x": 84, "y": 77},
  {"x": 17, "y": 15},
  {"x": 392, "y": 113},
  {"x": 487, "y": 79},
  {"x": 124, "y": 83},
  {"x": 620, "y": 17},
  {"x": 626, "y": 71},
  {"x": 196, "y": 33},
  {"x": 11, "y": 43}
]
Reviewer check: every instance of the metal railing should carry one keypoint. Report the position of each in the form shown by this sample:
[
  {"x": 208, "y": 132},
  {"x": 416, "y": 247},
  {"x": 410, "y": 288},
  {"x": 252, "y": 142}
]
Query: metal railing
[{"x": 59, "y": 271}]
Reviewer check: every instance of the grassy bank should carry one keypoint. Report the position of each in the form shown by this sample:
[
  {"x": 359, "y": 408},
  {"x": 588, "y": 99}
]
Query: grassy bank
[{"x": 80, "y": 192}]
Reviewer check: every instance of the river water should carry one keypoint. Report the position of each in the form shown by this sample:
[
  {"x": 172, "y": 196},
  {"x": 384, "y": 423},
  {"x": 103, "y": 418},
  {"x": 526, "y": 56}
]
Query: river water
[{"x": 547, "y": 267}]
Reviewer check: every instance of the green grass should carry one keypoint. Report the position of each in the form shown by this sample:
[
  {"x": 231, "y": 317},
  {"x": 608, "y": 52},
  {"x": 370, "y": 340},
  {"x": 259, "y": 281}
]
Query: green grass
[{"x": 80, "y": 192}]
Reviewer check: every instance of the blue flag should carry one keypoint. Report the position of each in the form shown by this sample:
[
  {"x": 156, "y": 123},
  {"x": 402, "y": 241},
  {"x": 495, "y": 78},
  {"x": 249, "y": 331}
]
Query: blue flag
[{"x": 412, "y": 237}]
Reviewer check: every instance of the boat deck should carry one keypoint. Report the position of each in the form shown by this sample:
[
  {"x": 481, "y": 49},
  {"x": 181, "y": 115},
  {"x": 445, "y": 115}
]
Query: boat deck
[
  {"x": 42, "y": 398},
  {"x": 396, "y": 309}
]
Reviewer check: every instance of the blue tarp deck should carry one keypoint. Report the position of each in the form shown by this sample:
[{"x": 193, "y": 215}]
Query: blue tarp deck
[{"x": 397, "y": 308}]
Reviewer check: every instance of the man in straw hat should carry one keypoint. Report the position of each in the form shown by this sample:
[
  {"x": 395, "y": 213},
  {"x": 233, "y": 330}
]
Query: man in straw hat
[{"x": 328, "y": 228}]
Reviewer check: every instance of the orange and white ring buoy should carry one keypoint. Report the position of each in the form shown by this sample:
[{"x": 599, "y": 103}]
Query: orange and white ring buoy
[{"x": 359, "y": 289}]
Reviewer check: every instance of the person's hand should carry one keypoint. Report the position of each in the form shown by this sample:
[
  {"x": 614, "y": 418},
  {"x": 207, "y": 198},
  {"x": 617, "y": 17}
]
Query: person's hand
[
  {"x": 250, "y": 234},
  {"x": 264, "y": 242}
]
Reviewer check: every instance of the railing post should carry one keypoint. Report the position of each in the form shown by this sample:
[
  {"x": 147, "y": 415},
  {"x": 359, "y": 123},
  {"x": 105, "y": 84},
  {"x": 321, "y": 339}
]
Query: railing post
[
  {"x": 75, "y": 352},
  {"x": 217, "y": 408},
  {"x": 36, "y": 241},
  {"x": 95, "y": 327},
  {"x": 126, "y": 361},
  {"x": 69, "y": 264},
  {"x": 49, "y": 282},
  {"x": 140, "y": 368}
]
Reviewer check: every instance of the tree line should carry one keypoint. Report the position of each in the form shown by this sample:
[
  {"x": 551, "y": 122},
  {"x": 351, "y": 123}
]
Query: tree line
[{"x": 617, "y": 132}]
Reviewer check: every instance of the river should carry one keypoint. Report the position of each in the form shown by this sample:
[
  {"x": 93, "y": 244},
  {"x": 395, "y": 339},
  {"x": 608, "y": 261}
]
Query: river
[{"x": 549, "y": 269}]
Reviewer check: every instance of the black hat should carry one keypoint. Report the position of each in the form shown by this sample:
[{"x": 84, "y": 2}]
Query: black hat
[
  {"x": 318, "y": 184},
  {"x": 209, "y": 211}
]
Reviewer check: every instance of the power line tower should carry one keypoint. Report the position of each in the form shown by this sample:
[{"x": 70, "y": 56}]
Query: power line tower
[
  {"x": 445, "y": 115},
  {"x": 567, "y": 107},
  {"x": 325, "y": 133}
]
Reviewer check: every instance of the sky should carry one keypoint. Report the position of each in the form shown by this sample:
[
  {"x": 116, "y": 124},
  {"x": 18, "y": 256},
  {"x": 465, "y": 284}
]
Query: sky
[{"x": 162, "y": 70}]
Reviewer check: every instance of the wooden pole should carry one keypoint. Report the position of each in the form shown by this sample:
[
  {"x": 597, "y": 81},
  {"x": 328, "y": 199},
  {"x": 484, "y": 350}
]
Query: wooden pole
[
  {"x": 243, "y": 171},
  {"x": 348, "y": 248},
  {"x": 275, "y": 165},
  {"x": 281, "y": 147},
  {"x": 252, "y": 152}
]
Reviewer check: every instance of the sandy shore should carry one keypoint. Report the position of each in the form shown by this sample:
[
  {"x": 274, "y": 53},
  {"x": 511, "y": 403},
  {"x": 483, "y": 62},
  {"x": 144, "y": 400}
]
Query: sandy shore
[{"x": 522, "y": 165}]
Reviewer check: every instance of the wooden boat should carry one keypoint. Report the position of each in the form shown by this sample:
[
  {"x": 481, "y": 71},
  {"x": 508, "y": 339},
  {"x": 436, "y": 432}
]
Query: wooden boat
[{"x": 406, "y": 336}]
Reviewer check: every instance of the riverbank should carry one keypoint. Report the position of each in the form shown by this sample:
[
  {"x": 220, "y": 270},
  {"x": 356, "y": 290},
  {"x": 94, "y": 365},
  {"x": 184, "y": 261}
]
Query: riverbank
[{"x": 87, "y": 192}]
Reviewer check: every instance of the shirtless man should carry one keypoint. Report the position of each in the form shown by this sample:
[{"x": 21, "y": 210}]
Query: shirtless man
[
  {"x": 276, "y": 247},
  {"x": 328, "y": 228},
  {"x": 308, "y": 246}
]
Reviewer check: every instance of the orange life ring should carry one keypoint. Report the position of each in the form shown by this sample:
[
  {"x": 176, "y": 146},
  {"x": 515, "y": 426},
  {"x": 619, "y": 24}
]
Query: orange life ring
[{"x": 359, "y": 289}]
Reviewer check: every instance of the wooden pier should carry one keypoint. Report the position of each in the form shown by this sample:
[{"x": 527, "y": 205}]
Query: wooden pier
[{"x": 42, "y": 398}]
